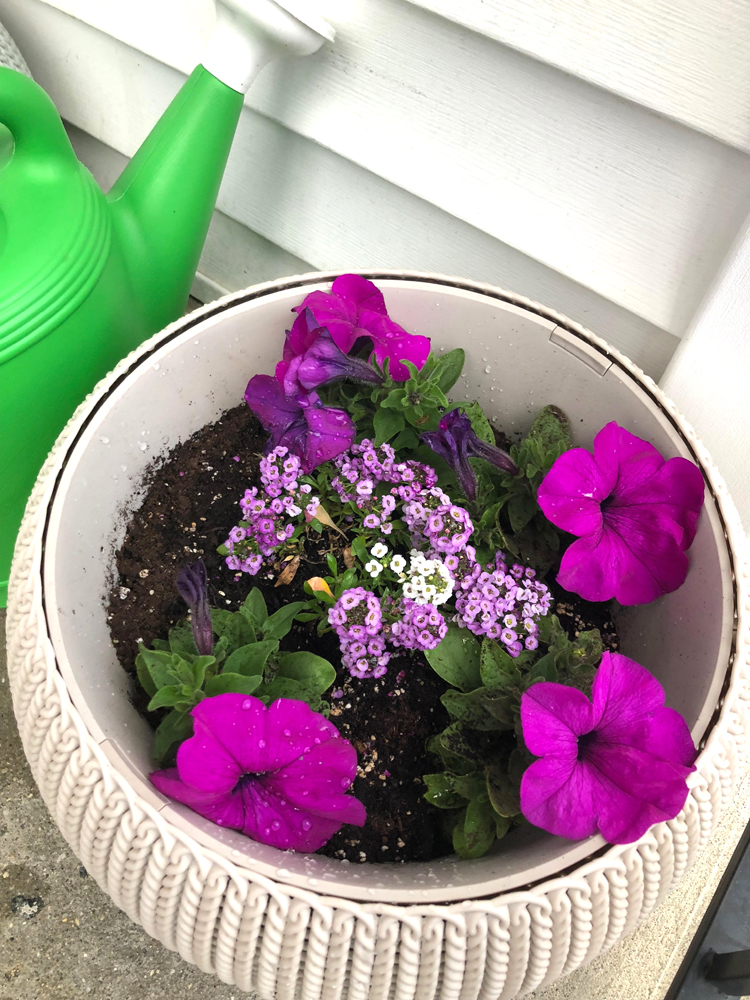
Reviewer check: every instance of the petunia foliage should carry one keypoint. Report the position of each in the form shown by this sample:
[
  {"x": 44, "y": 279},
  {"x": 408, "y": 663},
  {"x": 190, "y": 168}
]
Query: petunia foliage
[{"x": 245, "y": 659}]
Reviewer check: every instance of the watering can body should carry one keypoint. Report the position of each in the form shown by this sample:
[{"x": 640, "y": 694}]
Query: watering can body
[{"x": 84, "y": 277}]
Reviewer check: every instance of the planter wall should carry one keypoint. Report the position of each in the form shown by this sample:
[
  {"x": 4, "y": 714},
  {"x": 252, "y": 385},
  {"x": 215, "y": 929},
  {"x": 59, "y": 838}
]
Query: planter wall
[{"x": 285, "y": 924}]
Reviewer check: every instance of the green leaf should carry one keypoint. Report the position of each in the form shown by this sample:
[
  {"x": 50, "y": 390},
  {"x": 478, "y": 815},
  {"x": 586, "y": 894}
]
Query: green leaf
[
  {"x": 474, "y": 836},
  {"x": 332, "y": 564},
  {"x": 440, "y": 791},
  {"x": 250, "y": 660},
  {"x": 551, "y": 431},
  {"x": 232, "y": 625},
  {"x": 448, "y": 369},
  {"x": 312, "y": 671},
  {"x": 277, "y": 626},
  {"x": 485, "y": 709},
  {"x": 407, "y": 440},
  {"x": 387, "y": 424},
  {"x": 498, "y": 669},
  {"x": 503, "y": 793},
  {"x": 231, "y": 682},
  {"x": 162, "y": 666},
  {"x": 455, "y": 749},
  {"x": 181, "y": 640},
  {"x": 456, "y": 659},
  {"x": 544, "y": 669},
  {"x": 359, "y": 548},
  {"x": 147, "y": 681},
  {"x": 199, "y": 667},
  {"x": 286, "y": 687},
  {"x": 479, "y": 422},
  {"x": 173, "y": 728},
  {"x": 470, "y": 786},
  {"x": 167, "y": 697},
  {"x": 255, "y": 607},
  {"x": 521, "y": 508}
]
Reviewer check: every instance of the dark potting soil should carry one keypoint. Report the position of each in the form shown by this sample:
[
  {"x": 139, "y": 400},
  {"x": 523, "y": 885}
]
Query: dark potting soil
[{"x": 191, "y": 502}]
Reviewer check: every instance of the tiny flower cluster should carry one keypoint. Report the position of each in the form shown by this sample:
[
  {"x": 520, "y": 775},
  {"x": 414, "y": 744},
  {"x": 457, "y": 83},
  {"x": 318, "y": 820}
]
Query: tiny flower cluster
[
  {"x": 503, "y": 604},
  {"x": 270, "y": 514},
  {"x": 433, "y": 516},
  {"x": 357, "y": 618},
  {"x": 421, "y": 626},
  {"x": 428, "y": 581}
]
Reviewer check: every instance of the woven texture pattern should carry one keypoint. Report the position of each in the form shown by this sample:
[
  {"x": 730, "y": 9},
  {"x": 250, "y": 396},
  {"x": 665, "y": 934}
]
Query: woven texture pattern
[
  {"x": 9, "y": 54},
  {"x": 286, "y": 942}
]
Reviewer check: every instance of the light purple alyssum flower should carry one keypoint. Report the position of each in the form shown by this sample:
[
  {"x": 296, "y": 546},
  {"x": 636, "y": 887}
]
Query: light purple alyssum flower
[
  {"x": 635, "y": 515},
  {"x": 357, "y": 620},
  {"x": 355, "y": 308},
  {"x": 279, "y": 774},
  {"x": 616, "y": 764}
]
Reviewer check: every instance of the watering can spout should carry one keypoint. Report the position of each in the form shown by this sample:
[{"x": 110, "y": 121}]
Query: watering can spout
[{"x": 161, "y": 206}]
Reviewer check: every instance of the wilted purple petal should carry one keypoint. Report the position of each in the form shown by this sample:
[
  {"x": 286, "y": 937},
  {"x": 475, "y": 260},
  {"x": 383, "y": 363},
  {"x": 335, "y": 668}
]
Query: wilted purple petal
[
  {"x": 192, "y": 585},
  {"x": 278, "y": 774},
  {"x": 266, "y": 398},
  {"x": 456, "y": 441},
  {"x": 635, "y": 514},
  {"x": 329, "y": 433},
  {"x": 323, "y": 362},
  {"x": 628, "y": 767}
]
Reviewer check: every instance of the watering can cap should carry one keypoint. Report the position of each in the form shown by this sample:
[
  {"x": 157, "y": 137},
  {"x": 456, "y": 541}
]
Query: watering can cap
[{"x": 54, "y": 228}]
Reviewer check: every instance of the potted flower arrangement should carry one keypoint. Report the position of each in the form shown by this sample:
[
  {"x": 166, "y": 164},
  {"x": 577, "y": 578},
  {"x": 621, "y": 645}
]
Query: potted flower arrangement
[{"x": 402, "y": 638}]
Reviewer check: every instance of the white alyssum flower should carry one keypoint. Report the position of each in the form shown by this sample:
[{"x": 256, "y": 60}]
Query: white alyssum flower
[
  {"x": 379, "y": 550},
  {"x": 374, "y": 568},
  {"x": 398, "y": 564},
  {"x": 429, "y": 580}
]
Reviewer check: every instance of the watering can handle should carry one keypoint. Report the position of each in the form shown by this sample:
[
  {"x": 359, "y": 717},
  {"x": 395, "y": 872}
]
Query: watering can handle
[
  {"x": 250, "y": 33},
  {"x": 33, "y": 121}
]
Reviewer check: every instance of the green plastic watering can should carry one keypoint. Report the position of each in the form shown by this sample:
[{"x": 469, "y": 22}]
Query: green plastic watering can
[{"x": 85, "y": 278}]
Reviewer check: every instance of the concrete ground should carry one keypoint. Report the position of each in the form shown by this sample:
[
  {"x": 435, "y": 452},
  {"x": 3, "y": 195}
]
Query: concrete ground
[{"x": 62, "y": 939}]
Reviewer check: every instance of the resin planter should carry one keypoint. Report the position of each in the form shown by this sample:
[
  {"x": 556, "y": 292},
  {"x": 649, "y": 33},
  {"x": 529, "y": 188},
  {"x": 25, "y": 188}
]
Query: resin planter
[{"x": 287, "y": 925}]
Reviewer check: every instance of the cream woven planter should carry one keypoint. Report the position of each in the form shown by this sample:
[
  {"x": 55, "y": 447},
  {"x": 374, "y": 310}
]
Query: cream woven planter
[{"x": 292, "y": 925}]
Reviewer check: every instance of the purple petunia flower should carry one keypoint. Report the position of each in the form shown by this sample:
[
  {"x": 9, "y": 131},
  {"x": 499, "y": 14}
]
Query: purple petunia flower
[
  {"x": 313, "y": 432},
  {"x": 456, "y": 442},
  {"x": 321, "y": 363},
  {"x": 279, "y": 774},
  {"x": 193, "y": 587},
  {"x": 635, "y": 515},
  {"x": 618, "y": 765},
  {"x": 355, "y": 308}
]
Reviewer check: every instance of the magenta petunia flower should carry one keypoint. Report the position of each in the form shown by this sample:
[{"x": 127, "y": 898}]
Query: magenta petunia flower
[
  {"x": 355, "y": 308},
  {"x": 635, "y": 515},
  {"x": 321, "y": 363},
  {"x": 277, "y": 774},
  {"x": 311, "y": 431},
  {"x": 617, "y": 766}
]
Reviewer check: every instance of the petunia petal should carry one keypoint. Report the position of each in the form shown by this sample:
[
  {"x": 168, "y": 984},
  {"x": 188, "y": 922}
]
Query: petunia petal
[
  {"x": 624, "y": 695},
  {"x": 270, "y": 819},
  {"x": 266, "y": 398},
  {"x": 318, "y": 780},
  {"x": 571, "y": 493},
  {"x": 337, "y": 314},
  {"x": 672, "y": 498},
  {"x": 628, "y": 560},
  {"x": 557, "y": 795},
  {"x": 239, "y": 724},
  {"x": 635, "y": 791},
  {"x": 391, "y": 341},
  {"x": 225, "y": 809},
  {"x": 623, "y": 459},
  {"x": 553, "y": 716},
  {"x": 360, "y": 292},
  {"x": 205, "y": 763},
  {"x": 305, "y": 331},
  {"x": 329, "y": 433}
]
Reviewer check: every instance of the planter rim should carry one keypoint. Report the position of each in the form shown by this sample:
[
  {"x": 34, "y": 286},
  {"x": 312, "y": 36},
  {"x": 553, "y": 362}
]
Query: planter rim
[{"x": 586, "y": 856}]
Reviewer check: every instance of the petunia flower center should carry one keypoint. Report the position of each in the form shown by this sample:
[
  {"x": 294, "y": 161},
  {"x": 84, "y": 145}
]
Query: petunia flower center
[
  {"x": 247, "y": 779},
  {"x": 585, "y": 742}
]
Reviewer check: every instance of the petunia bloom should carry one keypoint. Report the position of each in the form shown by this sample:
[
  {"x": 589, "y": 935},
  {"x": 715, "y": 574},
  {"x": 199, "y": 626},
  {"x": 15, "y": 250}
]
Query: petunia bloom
[
  {"x": 311, "y": 431},
  {"x": 279, "y": 774},
  {"x": 617, "y": 765},
  {"x": 635, "y": 515},
  {"x": 193, "y": 588},
  {"x": 321, "y": 363},
  {"x": 355, "y": 308},
  {"x": 456, "y": 442}
]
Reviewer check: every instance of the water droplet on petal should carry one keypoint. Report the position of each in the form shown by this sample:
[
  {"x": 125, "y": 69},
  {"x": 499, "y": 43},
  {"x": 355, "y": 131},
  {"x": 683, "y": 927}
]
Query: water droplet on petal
[
  {"x": 306, "y": 824},
  {"x": 267, "y": 831},
  {"x": 345, "y": 782},
  {"x": 306, "y": 792},
  {"x": 261, "y": 743},
  {"x": 276, "y": 825},
  {"x": 247, "y": 704},
  {"x": 287, "y": 733}
]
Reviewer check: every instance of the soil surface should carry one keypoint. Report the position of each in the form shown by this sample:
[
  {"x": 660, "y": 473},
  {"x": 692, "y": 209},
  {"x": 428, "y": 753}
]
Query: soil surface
[{"x": 191, "y": 503}]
